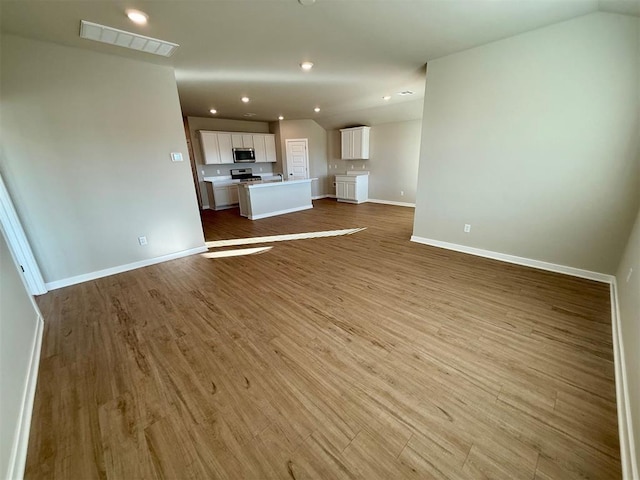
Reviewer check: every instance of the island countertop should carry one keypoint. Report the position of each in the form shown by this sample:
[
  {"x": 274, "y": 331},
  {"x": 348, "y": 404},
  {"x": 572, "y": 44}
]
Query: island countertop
[
  {"x": 271, "y": 183},
  {"x": 267, "y": 199}
]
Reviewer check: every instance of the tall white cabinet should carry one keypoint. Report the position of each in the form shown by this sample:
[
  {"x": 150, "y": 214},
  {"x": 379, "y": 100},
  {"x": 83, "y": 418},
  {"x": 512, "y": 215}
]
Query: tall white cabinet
[{"x": 355, "y": 143}]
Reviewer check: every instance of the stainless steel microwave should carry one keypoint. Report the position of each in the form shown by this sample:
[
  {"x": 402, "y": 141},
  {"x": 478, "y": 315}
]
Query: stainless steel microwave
[{"x": 244, "y": 155}]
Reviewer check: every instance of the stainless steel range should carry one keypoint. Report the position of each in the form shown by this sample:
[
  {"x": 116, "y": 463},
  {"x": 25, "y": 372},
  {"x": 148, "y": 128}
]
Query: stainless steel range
[{"x": 244, "y": 175}]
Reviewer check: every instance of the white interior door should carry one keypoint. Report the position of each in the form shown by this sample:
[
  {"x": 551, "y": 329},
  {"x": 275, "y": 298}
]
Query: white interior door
[
  {"x": 297, "y": 159},
  {"x": 18, "y": 244}
]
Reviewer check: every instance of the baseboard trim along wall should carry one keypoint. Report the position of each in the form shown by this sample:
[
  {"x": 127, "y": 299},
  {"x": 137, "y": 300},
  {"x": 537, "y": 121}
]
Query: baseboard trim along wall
[
  {"x": 18, "y": 458},
  {"x": 391, "y": 202},
  {"x": 65, "y": 282},
  {"x": 623, "y": 403},
  {"x": 280, "y": 212},
  {"x": 319, "y": 197},
  {"x": 527, "y": 262}
]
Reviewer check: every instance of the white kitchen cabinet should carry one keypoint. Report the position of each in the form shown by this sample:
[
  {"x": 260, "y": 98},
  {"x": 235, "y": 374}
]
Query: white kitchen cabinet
[
  {"x": 226, "y": 149},
  {"x": 247, "y": 141},
  {"x": 210, "y": 147},
  {"x": 352, "y": 188},
  {"x": 236, "y": 140},
  {"x": 355, "y": 143},
  {"x": 265, "y": 148},
  {"x": 233, "y": 194},
  {"x": 259, "y": 147},
  {"x": 270, "y": 147},
  {"x": 225, "y": 196},
  {"x": 242, "y": 140},
  {"x": 217, "y": 147}
]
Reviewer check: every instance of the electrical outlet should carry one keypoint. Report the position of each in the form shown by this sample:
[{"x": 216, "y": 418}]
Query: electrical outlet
[
  {"x": 467, "y": 228},
  {"x": 142, "y": 240},
  {"x": 351, "y": 167},
  {"x": 260, "y": 168},
  {"x": 335, "y": 166},
  {"x": 363, "y": 166},
  {"x": 402, "y": 193},
  {"x": 218, "y": 172},
  {"x": 202, "y": 172},
  {"x": 629, "y": 274}
]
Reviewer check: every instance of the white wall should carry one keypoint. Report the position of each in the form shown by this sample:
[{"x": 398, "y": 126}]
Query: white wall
[
  {"x": 629, "y": 305},
  {"x": 19, "y": 324},
  {"x": 317, "y": 140},
  {"x": 86, "y": 141},
  {"x": 394, "y": 152},
  {"x": 221, "y": 125},
  {"x": 533, "y": 141}
]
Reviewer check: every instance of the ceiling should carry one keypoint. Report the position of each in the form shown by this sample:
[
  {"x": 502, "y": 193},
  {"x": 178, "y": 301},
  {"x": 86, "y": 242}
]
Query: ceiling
[{"x": 362, "y": 49}]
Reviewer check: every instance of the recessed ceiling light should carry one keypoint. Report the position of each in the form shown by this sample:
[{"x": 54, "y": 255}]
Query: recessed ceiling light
[
  {"x": 136, "y": 16},
  {"x": 280, "y": 117},
  {"x": 213, "y": 111},
  {"x": 245, "y": 99},
  {"x": 317, "y": 109},
  {"x": 405, "y": 92},
  {"x": 387, "y": 97},
  {"x": 306, "y": 66},
  {"x": 306, "y": 3}
]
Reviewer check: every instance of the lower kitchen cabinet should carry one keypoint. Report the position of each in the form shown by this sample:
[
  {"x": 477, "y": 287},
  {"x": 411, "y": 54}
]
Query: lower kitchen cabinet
[
  {"x": 225, "y": 196},
  {"x": 352, "y": 188}
]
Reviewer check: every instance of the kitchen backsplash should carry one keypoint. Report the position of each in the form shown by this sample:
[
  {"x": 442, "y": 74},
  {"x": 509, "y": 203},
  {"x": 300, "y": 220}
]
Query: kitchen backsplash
[{"x": 217, "y": 170}]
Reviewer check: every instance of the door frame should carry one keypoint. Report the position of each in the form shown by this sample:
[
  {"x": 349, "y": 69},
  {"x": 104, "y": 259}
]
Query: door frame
[
  {"x": 18, "y": 244},
  {"x": 286, "y": 152}
]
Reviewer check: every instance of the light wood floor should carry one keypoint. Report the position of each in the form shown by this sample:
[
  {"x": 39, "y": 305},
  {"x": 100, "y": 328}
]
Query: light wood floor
[{"x": 364, "y": 356}]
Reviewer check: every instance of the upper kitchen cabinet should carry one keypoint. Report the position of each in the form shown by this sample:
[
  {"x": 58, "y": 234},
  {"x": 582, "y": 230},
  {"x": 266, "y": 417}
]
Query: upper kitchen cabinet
[
  {"x": 242, "y": 140},
  {"x": 226, "y": 150},
  {"x": 259, "y": 148},
  {"x": 210, "y": 147},
  {"x": 265, "y": 148},
  {"x": 216, "y": 147},
  {"x": 270, "y": 147},
  {"x": 355, "y": 143}
]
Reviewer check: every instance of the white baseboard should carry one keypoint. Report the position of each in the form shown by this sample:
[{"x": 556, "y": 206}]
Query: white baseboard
[
  {"x": 18, "y": 457},
  {"x": 527, "y": 262},
  {"x": 280, "y": 212},
  {"x": 65, "y": 282},
  {"x": 391, "y": 202},
  {"x": 319, "y": 197},
  {"x": 623, "y": 403}
]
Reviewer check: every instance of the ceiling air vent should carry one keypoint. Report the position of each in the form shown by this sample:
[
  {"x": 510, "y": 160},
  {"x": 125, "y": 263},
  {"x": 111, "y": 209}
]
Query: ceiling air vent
[{"x": 113, "y": 36}]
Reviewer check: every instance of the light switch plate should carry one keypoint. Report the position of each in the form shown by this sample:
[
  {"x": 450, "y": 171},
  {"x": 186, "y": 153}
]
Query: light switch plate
[{"x": 176, "y": 156}]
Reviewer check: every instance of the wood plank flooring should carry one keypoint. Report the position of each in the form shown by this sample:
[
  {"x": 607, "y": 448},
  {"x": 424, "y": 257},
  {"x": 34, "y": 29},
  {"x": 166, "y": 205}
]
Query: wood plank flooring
[{"x": 357, "y": 357}]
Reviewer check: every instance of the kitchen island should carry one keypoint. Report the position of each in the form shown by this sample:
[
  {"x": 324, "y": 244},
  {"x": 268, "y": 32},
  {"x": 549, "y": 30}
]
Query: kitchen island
[{"x": 268, "y": 199}]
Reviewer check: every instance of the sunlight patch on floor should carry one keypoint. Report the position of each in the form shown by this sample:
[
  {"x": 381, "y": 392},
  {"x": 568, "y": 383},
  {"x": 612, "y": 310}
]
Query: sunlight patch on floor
[
  {"x": 236, "y": 253},
  {"x": 281, "y": 238}
]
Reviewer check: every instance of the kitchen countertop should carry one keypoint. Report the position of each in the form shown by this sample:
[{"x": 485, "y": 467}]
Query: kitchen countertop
[
  {"x": 224, "y": 180},
  {"x": 266, "y": 183}
]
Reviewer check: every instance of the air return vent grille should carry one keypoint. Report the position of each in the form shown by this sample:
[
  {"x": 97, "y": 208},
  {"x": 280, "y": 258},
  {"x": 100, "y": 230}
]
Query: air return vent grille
[{"x": 113, "y": 36}]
